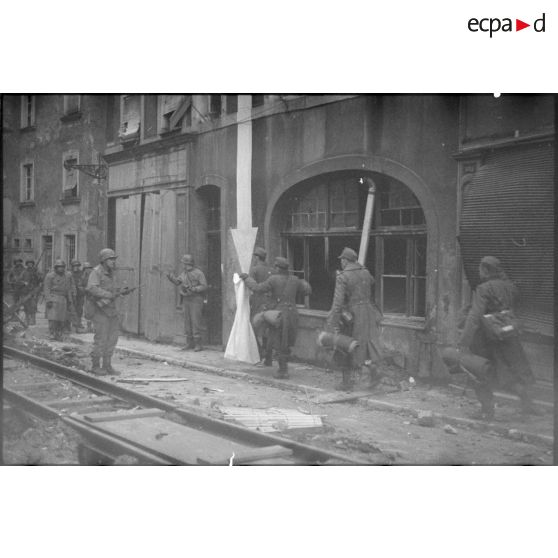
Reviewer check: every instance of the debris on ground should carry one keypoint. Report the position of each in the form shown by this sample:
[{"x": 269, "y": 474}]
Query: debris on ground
[
  {"x": 425, "y": 418},
  {"x": 515, "y": 434},
  {"x": 271, "y": 420},
  {"x": 450, "y": 429}
]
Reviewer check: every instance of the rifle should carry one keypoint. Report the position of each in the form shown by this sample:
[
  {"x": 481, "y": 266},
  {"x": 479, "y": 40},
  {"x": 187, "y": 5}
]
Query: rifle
[
  {"x": 103, "y": 302},
  {"x": 185, "y": 289}
]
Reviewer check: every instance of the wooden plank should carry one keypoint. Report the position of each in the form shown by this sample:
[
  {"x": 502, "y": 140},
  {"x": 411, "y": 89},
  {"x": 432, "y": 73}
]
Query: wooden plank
[
  {"x": 174, "y": 441},
  {"x": 30, "y": 386},
  {"x": 255, "y": 454},
  {"x": 77, "y": 402},
  {"x": 128, "y": 216},
  {"x": 343, "y": 398},
  {"x": 123, "y": 415},
  {"x": 171, "y": 322},
  {"x": 146, "y": 380}
]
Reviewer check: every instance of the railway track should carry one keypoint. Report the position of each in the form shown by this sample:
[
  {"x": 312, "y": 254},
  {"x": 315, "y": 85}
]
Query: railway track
[{"x": 115, "y": 421}]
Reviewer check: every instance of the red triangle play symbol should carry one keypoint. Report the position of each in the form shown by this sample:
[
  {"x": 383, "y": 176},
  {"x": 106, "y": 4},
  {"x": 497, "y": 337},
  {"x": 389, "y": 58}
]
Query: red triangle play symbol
[{"x": 519, "y": 25}]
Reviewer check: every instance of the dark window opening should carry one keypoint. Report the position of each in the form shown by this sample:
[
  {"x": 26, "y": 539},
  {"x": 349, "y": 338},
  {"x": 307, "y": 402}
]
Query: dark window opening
[
  {"x": 322, "y": 216},
  {"x": 232, "y": 104},
  {"x": 215, "y": 106},
  {"x": 257, "y": 100},
  {"x": 47, "y": 253}
]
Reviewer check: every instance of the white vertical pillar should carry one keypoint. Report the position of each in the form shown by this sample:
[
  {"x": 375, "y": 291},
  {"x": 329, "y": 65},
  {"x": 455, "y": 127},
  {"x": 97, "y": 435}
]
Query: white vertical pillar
[{"x": 244, "y": 163}]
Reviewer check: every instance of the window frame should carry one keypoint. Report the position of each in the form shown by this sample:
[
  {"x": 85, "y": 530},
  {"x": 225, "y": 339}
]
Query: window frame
[
  {"x": 163, "y": 118},
  {"x": 66, "y": 256},
  {"x": 24, "y": 182},
  {"x": 123, "y": 135},
  {"x": 27, "y": 112},
  {"x": 411, "y": 233},
  {"x": 68, "y": 155},
  {"x": 66, "y": 104}
]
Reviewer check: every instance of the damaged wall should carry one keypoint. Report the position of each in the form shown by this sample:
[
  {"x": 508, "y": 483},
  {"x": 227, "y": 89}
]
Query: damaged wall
[{"x": 45, "y": 144}]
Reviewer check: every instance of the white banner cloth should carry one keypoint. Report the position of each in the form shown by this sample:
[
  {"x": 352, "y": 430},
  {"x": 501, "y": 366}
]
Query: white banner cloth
[{"x": 242, "y": 343}]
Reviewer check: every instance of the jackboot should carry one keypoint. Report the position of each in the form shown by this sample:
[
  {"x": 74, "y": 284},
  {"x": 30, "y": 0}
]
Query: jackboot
[
  {"x": 197, "y": 345},
  {"x": 189, "y": 344},
  {"x": 108, "y": 367},
  {"x": 96, "y": 368},
  {"x": 283, "y": 370},
  {"x": 347, "y": 383}
]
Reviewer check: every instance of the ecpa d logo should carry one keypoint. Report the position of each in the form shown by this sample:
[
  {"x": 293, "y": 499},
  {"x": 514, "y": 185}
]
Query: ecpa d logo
[{"x": 492, "y": 25}]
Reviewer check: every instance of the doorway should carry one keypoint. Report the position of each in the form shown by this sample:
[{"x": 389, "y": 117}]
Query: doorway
[{"x": 211, "y": 198}]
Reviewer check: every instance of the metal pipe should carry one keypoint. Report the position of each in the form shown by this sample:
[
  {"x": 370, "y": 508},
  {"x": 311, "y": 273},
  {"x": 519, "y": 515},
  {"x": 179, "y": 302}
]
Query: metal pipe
[{"x": 368, "y": 215}]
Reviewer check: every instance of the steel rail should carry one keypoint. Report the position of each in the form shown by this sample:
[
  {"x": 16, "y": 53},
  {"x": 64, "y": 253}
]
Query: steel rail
[{"x": 301, "y": 452}]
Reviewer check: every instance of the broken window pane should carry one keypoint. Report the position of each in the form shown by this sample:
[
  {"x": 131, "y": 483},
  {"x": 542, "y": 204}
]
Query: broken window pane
[{"x": 394, "y": 295}]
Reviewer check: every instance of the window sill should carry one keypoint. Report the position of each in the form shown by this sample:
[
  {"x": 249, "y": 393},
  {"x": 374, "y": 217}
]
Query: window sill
[
  {"x": 70, "y": 201},
  {"x": 29, "y": 203},
  {"x": 406, "y": 322},
  {"x": 70, "y": 117},
  {"x": 390, "y": 320},
  {"x": 28, "y": 128}
]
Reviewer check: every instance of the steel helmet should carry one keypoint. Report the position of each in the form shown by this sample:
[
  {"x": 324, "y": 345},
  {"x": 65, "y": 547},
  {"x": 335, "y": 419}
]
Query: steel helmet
[
  {"x": 106, "y": 254},
  {"x": 187, "y": 259},
  {"x": 86, "y": 265},
  {"x": 59, "y": 263},
  {"x": 75, "y": 262}
]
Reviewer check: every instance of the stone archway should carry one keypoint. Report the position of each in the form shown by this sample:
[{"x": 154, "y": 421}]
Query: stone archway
[{"x": 380, "y": 165}]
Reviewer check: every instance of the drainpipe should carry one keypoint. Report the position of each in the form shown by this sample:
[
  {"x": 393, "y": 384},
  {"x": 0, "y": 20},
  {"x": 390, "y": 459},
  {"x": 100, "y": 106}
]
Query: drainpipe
[{"x": 368, "y": 214}]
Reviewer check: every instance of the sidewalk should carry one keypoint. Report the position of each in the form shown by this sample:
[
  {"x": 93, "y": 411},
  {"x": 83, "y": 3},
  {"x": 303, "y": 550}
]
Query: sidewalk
[{"x": 446, "y": 405}]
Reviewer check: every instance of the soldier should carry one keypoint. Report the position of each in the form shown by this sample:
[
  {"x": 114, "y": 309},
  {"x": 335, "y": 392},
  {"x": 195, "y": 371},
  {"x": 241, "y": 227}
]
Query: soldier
[
  {"x": 102, "y": 292},
  {"x": 192, "y": 285},
  {"x": 59, "y": 294},
  {"x": 495, "y": 293},
  {"x": 283, "y": 288},
  {"x": 32, "y": 280},
  {"x": 87, "y": 268},
  {"x": 259, "y": 302},
  {"x": 16, "y": 280},
  {"x": 77, "y": 278},
  {"x": 353, "y": 292}
]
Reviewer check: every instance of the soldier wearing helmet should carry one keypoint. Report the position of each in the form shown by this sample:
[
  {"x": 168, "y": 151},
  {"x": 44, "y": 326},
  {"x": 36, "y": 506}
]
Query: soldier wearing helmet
[
  {"x": 77, "y": 275},
  {"x": 102, "y": 291},
  {"x": 59, "y": 293},
  {"x": 86, "y": 272},
  {"x": 32, "y": 280},
  {"x": 283, "y": 288},
  {"x": 260, "y": 302},
  {"x": 192, "y": 285},
  {"x": 353, "y": 298}
]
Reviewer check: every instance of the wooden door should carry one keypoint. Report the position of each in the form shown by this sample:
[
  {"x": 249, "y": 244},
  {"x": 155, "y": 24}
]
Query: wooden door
[
  {"x": 127, "y": 247},
  {"x": 159, "y": 318}
]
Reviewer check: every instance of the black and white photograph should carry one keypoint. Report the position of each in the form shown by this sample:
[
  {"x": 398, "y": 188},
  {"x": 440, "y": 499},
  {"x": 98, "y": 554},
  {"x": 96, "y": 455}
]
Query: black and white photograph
[{"x": 278, "y": 279}]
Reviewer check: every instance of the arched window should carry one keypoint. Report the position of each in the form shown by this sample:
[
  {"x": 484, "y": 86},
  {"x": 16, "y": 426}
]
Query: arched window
[{"x": 324, "y": 214}]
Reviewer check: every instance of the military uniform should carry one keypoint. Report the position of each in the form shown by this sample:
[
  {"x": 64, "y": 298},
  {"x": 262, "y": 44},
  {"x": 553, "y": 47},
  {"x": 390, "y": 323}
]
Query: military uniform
[
  {"x": 32, "y": 280},
  {"x": 353, "y": 293},
  {"x": 58, "y": 292},
  {"x": 102, "y": 290},
  {"x": 77, "y": 277},
  {"x": 192, "y": 285},
  {"x": 490, "y": 296},
  {"x": 259, "y": 302},
  {"x": 283, "y": 289},
  {"x": 84, "y": 278},
  {"x": 16, "y": 281}
]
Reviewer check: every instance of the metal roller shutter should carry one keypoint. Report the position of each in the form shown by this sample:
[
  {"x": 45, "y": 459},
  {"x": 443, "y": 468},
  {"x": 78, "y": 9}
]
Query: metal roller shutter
[{"x": 508, "y": 212}]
